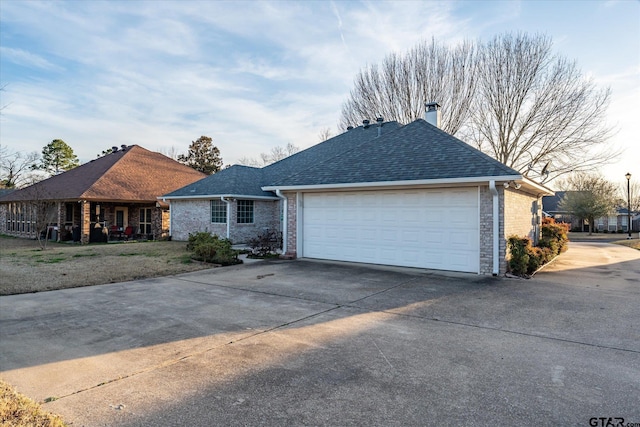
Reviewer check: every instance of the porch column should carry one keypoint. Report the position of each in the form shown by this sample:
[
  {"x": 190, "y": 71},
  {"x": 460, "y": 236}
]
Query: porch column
[
  {"x": 60, "y": 220},
  {"x": 85, "y": 221}
]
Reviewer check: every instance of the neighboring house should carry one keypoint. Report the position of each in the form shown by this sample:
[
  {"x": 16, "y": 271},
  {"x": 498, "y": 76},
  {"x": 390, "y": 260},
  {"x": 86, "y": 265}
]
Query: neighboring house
[
  {"x": 616, "y": 222},
  {"x": 387, "y": 194},
  {"x": 118, "y": 191},
  {"x": 551, "y": 208}
]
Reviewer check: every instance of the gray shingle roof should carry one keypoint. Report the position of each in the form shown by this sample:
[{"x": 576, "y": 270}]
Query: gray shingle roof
[
  {"x": 417, "y": 151},
  {"x": 236, "y": 180},
  {"x": 248, "y": 181},
  {"x": 392, "y": 152}
]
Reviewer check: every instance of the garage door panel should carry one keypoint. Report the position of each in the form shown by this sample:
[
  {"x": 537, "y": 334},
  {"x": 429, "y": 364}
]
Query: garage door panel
[{"x": 435, "y": 229}]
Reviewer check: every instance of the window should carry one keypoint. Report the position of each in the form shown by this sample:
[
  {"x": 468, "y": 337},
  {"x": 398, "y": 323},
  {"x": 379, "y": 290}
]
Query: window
[
  {"x": 145, "y": 220},
  {"x": 68, "y": 217},
  {"x": 218, "y": 211},
  {"x": 245, "y": 211}
]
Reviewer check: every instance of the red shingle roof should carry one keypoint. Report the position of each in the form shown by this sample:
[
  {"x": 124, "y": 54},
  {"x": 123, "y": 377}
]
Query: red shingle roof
[{"x": 130, "y": 175}]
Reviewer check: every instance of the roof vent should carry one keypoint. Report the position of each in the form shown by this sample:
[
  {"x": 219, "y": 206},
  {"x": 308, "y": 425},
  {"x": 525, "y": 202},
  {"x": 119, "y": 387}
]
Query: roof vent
[
  {"x": 124, "y": 147},
  {"x": 349, "y": 127},
  {"x": 365, "y": 122},
  {"x": 114, "y": 149},
  {"x": 379, "y": 120}
]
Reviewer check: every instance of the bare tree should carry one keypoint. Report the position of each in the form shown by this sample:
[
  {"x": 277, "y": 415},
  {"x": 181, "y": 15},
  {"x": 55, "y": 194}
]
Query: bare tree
[
  {"x": 511, "y": 97},
  {"x": 533, "y": 107},
  {"x": 588, "y": 196},
  {"x": 400, "y": 87},
  {"x": 634, "y": 193},
  {"x": 324, "y": 134},
  {"x": 171, "y": 152},
  {"x": 41, "y": 210},
  {"x": 276, "y": 154},
  {"x": 16, "y": 167}
]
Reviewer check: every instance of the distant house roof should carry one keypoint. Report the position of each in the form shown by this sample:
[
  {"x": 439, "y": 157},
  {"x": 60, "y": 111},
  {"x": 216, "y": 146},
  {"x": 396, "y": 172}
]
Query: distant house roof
[
  {"x": 132, "y": 174},
  {"x": 550, "y": 204},
  {"x": 417, "y": 151}
]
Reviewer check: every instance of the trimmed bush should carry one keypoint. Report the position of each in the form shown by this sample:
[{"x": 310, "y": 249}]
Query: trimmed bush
[
  {"x": 525, "y": 259},
  {"x": 209, "y": 247}
]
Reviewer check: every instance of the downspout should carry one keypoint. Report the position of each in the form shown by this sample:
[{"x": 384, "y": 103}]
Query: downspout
[
  {"x": 284, "y": 220},
  {"x": 228, "y": 202},
  {"x": 496, "y": 228}
]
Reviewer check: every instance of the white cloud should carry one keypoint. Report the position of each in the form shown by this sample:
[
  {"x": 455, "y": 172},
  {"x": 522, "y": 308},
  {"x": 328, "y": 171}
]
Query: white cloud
[{"x": 27, "y": 59}]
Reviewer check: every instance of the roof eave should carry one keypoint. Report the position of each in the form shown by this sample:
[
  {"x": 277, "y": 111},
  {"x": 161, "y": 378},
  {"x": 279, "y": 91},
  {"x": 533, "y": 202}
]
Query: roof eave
[
  {"x": 382, "y": 184},
  {"x": 218, "y": 196}
]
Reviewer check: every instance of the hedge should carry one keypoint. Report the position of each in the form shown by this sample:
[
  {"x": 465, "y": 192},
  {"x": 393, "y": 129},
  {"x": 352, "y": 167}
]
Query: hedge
[{"x": 525, "y": 259}]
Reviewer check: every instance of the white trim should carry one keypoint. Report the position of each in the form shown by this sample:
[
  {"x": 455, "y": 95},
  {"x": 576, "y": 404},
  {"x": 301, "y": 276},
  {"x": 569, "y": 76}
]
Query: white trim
[
  {"x": 228, "y": 202},
  {"x": 218, "y": 196},
  {"x": 496, "y": 227},
  {"x": 543, "y": 191},
  {"x": 299, "y": 219},
  {"x": 425, "y": 182},
  {"x": 285, "y": 202}
]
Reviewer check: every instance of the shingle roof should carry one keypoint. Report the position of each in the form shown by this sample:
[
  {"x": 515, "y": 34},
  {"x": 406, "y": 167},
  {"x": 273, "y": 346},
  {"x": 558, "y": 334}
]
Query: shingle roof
[
  {"x": 417, "y": 151},
  {"x": 236, "y": 180},
  {"x": 248, "y": 181},
  {"x": 130, "y": 175}
]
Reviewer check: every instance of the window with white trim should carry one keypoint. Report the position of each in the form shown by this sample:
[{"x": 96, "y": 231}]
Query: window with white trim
[
  {"x": 145, "y": 220},
  {"x": 245, "y": 212},
  {"x": 218, "y": 212}
]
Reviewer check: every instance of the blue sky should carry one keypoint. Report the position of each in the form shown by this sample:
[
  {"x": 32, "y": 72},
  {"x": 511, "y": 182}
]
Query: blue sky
[{"x": 254, "y": 75}]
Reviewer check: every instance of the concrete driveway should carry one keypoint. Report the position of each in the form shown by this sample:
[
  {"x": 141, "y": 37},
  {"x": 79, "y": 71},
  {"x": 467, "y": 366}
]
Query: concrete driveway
[{"x": 314, "y": 343}]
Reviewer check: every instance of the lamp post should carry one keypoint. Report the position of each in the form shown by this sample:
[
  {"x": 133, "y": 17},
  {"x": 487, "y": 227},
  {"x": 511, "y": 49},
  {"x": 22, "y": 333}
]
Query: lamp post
[{"x": 628, "y": 176}]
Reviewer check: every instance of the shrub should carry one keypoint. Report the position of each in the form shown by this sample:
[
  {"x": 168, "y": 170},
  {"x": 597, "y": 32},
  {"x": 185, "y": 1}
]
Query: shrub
[
  {"x": 526, "y": 259},
  {"x": 210, "y": 248},
  {"x": 519, "y": 261},
  {"x": 265, "y": 244}
]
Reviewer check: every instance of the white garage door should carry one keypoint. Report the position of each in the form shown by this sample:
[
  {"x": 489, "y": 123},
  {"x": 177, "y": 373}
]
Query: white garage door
[{"x": 435, "y": 229}]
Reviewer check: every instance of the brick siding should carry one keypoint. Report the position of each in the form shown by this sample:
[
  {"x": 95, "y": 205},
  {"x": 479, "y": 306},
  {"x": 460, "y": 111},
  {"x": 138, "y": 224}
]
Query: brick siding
[{"x": 191, "y": 216}]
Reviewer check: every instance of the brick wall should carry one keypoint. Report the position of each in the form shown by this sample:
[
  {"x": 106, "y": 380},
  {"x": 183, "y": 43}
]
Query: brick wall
[
  {"x": 486, "y": 230},
  {"x": 292, "y": 230},
  {"x": 190, "y": 216},
  {"x": 521, "y": 218}
]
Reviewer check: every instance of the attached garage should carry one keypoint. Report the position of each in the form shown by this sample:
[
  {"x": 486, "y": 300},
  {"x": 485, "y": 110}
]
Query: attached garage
[{"x": 426, "y": 228}]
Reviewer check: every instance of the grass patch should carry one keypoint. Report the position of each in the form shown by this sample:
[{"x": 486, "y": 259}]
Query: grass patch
[
  {"x": 128, "y": 254},
  {"x": 84, "y": 255},
  {"x": 51, "y": 260},
  {"x": 184, "y": 259},
  {"x": 632, "y": 243},
  {"x": 18, "y": 410}
]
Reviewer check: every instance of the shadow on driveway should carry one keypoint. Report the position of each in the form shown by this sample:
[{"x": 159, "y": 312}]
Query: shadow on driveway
[{"x": 303, "y": 342}]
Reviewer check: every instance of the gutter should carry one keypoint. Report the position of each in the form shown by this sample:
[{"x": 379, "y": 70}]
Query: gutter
[
  {"x": 496, "y": 227},
  {"x": 285, "y": 220},
  {"x": 228, "y": 202},
  {"x": 445, "y": 182}
]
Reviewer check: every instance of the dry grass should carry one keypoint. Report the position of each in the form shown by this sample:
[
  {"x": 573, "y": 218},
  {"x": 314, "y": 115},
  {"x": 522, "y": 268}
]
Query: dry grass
[
  {"x": 632, "y": 243},
  {"x": 24, "y": 267},
  {"x": 18, "y": 410}
]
